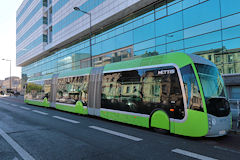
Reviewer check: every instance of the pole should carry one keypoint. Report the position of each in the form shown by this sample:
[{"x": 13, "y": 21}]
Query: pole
[
  {"x": 90, "y": 39},
  {"x": 90, "y": 30},
  {"x": 10, "y": 76}
]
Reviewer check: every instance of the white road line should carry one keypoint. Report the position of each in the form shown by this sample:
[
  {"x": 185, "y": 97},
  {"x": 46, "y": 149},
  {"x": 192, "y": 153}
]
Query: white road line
[
  {"x": 191, "y": 154},
  {"x": 14, "y": 105},
  {"x": 25, "y": 155},
  {"x": 226, "y": 149},
  {"x": 65, "y": 119},
  {"x": 43, "y": 113},
  {"x": 25, "y": 108},
  {"x": 116, "y": 133}
]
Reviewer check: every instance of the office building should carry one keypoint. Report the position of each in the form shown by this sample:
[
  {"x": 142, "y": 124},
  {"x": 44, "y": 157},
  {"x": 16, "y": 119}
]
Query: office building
[{"x": 52, "y": 37}]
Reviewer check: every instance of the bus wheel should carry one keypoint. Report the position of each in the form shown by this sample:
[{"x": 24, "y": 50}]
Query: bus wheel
[
  {"x": 160, "y": 121},
  {"x": 162, "y": 131}
]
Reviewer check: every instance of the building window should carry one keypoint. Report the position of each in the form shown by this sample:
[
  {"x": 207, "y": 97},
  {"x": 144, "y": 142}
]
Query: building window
[
  {"x": 218, "y": 58},
  {"x": 45, "y": 3},
  {"x": 45, "y": 20},
  {"x": 230, "y": 58},
  {"x": 230, "y": 70},
  {"x": 45, "y": 38},
  {"x": 209, "y": 57}
]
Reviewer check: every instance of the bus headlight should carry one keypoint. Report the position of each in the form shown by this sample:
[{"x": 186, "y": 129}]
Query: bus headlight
[
  {"x": 209, "y": 122},
  {"x": 214, "y": 121}
]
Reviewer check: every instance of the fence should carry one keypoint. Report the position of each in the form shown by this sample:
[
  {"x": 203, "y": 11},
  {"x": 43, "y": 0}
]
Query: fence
[{"x": 235, "y": 106}]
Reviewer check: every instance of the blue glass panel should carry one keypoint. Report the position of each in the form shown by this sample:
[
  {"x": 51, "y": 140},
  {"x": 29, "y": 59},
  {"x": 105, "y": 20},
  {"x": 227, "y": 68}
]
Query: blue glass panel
[
  {"x": 231, "y": 20},
  {"x": 229, "y": 7},
  {"x": 161, "y": 10},
  {"x": 97, "y": 49},
  {"x": 124, "y": 39},
  {"x": 169, "y": 24},
  {"x": 149, "y": 18},
  {"x": 203, "y": 39},
  {"x": 24, "y": 9},
  {"x": 59, "y": 5},
  {"x": 161, "y": 40},
  {"x": 145, "y": 52},
  {"x": 109, "y": 45},
  {"x": 29, "y": 47},
  {"x": 231, "y": 32},
  {"x": 203, "y": 28},
  {"x": 128, "y": 27},
  {"x": 201, "y": 13},
  {"x": 161, "y": 49},
  {"x": 143, "y": 33},
  {"x": 232, "y": 44},
  {"x": 174, "y": 36},
  {"x": 30, "y": 31},
  {"x": 175, "y": 7},
  {"x": 145, "y": 44},
  {"x": 189, "y": 3},
  {"x": 29, "y": 17},
  {"x": 175, "y": 46},
  {"x": 204, "y": 49},
  {"x": 74, "y": 15}
]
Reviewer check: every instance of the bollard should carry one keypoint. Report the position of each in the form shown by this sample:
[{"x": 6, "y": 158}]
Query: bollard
[{"x": 238, "y": 113}]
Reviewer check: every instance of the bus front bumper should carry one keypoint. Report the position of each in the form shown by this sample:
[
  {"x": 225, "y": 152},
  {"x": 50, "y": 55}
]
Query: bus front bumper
[{"x": 219, "y": 126}]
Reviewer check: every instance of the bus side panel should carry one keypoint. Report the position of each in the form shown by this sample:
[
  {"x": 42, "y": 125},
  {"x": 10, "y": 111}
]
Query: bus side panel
[
  {"x": 196, "y": 124},
  {"x": 43, "y": 103},
  {"x": 160, "y": 119},
  {"x": 78, "y": 108},
  {"x": 125, "y": 118}
]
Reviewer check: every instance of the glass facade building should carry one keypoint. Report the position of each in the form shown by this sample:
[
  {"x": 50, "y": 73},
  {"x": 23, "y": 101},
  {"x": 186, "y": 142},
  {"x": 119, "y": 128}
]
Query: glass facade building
[{"x": 209, "y": 28}]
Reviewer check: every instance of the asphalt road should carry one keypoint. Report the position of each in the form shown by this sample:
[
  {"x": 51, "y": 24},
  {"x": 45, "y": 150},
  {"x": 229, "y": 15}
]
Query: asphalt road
[{"x": 31, "y": 132}]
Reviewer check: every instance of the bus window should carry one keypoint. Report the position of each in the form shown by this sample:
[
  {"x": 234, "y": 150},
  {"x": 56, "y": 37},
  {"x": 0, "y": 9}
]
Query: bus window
[
  {"x": 35, "y": 90},
  {"x": 194, "y": 100},
  {"x": 72, "y": 89},
  {"x": 144, "y": 90}
]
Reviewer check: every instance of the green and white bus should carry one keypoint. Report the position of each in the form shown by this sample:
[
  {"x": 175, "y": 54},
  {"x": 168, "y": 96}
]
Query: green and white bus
[{"x": 181, "y": 93}]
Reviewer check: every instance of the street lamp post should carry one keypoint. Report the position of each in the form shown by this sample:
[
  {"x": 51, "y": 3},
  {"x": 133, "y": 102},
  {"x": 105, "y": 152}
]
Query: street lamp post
[
  {"x": 10, "y": 83},
  {"x": 90, "y": 29}
]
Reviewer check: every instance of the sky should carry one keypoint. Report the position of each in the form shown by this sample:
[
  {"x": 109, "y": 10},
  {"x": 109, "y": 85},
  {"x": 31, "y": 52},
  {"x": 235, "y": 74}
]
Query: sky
[{"x": 8, "y": 10}]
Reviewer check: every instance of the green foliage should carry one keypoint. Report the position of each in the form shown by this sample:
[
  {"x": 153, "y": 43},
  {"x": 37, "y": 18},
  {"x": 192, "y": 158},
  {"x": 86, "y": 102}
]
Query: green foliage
[{"x": 34, "y": 87}]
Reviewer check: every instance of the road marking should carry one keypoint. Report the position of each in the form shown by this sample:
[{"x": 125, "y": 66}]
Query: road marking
[
  {"x": 116, "y": 133},
  {"x": 226, "y": 149},
  {"x": 14, "y": 105},
  {"x": 43, "y": 113},
  {"x": 15, "y": 158},
  {"x": 25, "y": 108},
  {"x": 65, "y": 119},
  {"x": 191, "y": 154},
  {"x": 25, "y": 155}
]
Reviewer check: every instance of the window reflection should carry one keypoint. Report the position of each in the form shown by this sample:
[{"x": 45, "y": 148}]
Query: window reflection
[
  {"x": 143, "y": 90},
  {"x": 112, "y": 57},
  {"x": 72, "y": 89},
  {"x": 194, "y": 99},
  {"x": 193, "y": 26},
  {"x": 38, "y": 90}
]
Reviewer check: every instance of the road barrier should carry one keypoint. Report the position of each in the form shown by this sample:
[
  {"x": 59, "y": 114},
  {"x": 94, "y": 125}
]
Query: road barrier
[{"x": 235, "y": 109}]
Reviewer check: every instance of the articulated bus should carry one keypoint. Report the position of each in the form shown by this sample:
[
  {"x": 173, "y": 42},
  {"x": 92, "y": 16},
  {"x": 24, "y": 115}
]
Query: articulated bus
[{"x": 181, "y": 93}]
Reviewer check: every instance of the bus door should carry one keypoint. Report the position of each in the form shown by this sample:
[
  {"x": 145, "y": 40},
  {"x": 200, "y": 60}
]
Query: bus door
[
  {"x": 94, "y": 89},
  {"x": 53, "y": 91}
]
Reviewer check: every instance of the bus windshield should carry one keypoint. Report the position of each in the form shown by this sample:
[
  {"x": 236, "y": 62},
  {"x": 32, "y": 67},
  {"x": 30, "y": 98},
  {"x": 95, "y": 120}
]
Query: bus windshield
[
  {"x": 214, "y": 90},
  {"x": 211, "y": 80}
]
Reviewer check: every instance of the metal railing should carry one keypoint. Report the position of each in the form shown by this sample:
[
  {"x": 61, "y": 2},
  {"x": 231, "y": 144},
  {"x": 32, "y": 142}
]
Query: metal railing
[{"x": 235, "y": 109}]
